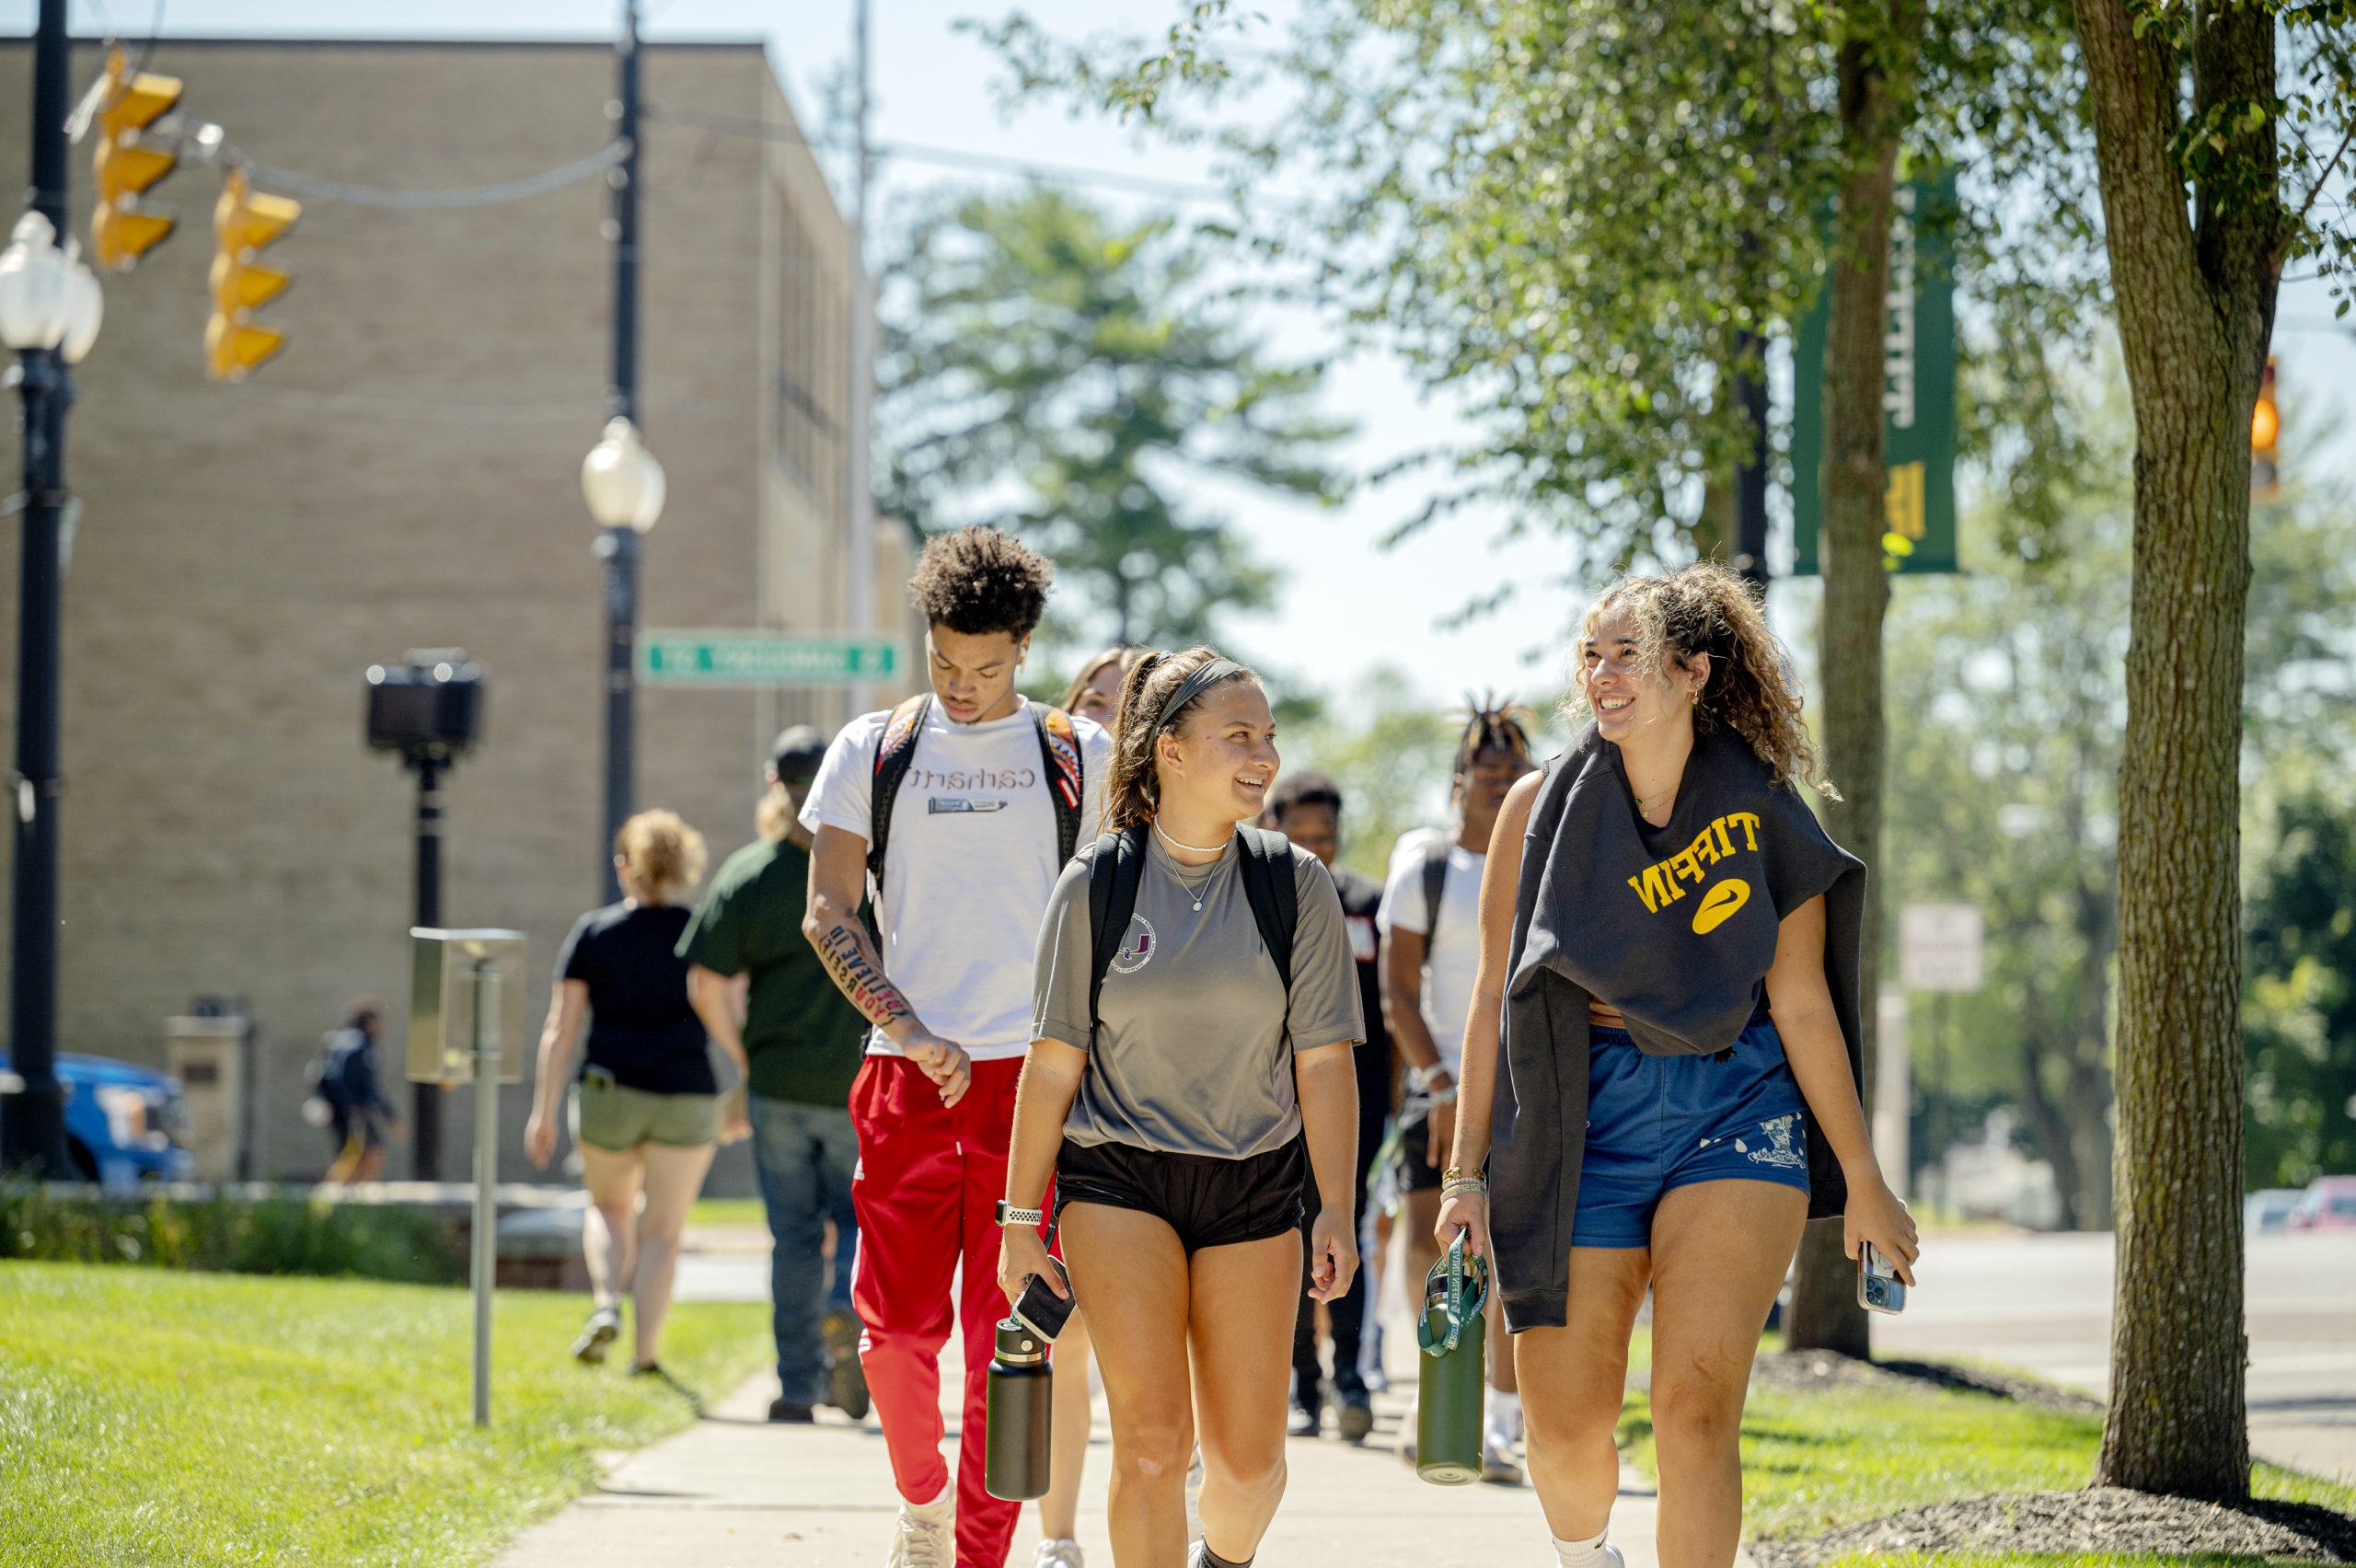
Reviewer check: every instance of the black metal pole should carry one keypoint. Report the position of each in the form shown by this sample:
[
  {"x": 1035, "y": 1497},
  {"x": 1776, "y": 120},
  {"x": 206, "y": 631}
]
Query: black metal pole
[
  {"x": 32, "y": 1120},
  {"x": 1751, "y": 477},
  {"x": 425, "y": 1099},
  {"x": 619, "y": 547}
]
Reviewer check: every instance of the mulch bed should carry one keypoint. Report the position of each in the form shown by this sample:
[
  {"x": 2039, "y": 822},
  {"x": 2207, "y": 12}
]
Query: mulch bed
[
  {"x": 1818, "y": 1371},
  {"x": 2106, "y": 1519}
]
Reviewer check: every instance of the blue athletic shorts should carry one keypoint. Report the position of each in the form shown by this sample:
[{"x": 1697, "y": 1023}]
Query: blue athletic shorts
[{"x": 1656, "y": 1123}]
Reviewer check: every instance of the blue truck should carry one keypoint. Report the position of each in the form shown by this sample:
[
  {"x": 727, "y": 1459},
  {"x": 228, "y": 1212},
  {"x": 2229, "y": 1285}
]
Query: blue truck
[{"x": 124, "y": 1123}]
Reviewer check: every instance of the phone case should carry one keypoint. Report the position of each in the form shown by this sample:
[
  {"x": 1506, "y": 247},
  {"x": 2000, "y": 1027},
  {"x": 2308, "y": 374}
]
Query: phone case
[{"x": 1041, "y": 1308}]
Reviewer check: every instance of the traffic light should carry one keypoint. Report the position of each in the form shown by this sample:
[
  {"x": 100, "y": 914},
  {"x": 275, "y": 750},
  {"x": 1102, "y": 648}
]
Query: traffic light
[
  {"x": 123, "y": 228},
  {"x": 2264, "y": 428},
  {"x": 243, "y": 222}
]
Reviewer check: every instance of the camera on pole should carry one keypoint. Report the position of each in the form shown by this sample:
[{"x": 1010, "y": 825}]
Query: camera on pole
[{"x": 428, "y": 708}]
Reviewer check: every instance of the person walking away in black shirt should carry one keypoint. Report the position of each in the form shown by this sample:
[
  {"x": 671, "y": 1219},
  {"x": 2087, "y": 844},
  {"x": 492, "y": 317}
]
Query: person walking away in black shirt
[
  {"x": 646, "y": 1109},
  {"x": 1307, "y": 809},
  {"x": 762, "y": 993}
]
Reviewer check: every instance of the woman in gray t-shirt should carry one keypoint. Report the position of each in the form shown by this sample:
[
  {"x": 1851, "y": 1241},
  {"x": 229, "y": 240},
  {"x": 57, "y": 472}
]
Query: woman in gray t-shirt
[{"x": 1180, "y": 1113}]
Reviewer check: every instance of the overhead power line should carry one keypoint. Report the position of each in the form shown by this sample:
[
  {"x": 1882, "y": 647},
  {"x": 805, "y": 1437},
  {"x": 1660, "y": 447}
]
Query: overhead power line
[{"x": 297, "y": 184}]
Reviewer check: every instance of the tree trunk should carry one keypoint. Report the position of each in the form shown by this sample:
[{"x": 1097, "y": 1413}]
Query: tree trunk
[
  {"x": 1876, "y": 86},
  {"x": 2195, "y": 308}
]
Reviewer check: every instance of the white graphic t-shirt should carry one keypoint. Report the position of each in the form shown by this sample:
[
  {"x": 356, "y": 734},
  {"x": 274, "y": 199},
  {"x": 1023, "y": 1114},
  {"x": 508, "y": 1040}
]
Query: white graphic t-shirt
[
  {"x": 968, "y": 867},
  {"x": 1453, "y": 958}
]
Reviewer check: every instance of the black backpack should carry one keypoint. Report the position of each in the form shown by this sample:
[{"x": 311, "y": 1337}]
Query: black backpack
[
  {"x": 1118, "y": 864},
  {"x": 1060, "y": 755}
]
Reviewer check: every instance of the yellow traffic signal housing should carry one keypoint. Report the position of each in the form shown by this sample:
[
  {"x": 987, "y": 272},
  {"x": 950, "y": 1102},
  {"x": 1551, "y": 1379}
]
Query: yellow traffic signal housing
[
  {"x": 123, "y": 228},
  {"x": 244, "y": 221},
  {"x": 2265, "y": 429}
]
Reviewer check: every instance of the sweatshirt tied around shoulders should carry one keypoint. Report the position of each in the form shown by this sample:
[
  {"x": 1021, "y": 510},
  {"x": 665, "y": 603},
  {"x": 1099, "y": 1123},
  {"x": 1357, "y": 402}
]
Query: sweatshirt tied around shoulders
[{"x": 1676, "y": 928}]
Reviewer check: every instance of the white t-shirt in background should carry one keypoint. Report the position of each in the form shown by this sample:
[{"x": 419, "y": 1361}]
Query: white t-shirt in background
[
  {"x": 1453, "y": 958},
  {"x": 968, "y": 867}
]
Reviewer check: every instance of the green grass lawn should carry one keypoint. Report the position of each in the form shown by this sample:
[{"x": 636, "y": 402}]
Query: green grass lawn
[
  {"x": 728, "y": 1211},
  {"x": 1812, "y": 1461},
  {"x": 156, "y": 1418}
]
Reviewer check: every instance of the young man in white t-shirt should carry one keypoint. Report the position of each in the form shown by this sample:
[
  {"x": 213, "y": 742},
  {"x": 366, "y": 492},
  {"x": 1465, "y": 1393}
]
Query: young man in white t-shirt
[
  {"x": 989, "y": 790},
  {"x": 1429, "y": 959}
]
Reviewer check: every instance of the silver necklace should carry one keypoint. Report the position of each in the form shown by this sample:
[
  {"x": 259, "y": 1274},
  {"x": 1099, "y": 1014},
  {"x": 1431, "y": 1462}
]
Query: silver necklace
[{"x": 1195, "y": 892}]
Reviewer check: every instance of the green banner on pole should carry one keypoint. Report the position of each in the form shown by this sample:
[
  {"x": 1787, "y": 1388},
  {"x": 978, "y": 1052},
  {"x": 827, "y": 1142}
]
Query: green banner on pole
[
  {"x": 763, "y": 659},
  {"x": 1918, "y": 393}
]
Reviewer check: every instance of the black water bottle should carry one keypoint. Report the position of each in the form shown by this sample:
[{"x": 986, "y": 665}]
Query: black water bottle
[{"x": 1015, "y": 1459}]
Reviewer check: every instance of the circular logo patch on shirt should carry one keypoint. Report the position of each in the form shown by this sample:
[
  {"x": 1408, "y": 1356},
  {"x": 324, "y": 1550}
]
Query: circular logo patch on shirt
[
  {"x": 1719, "y": 903},
  {"x": 1137, "y": 947}
]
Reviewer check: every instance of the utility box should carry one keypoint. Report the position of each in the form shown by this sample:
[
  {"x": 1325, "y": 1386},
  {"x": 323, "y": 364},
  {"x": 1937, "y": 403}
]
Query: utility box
[
  {"x": 210, "y": 1056},
  {"x": 464, "y": 986}
]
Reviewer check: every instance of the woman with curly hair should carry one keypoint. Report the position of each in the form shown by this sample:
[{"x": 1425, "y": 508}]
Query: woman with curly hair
[
  {"x": 646, "y": 1102},
  {"x": 1662, "y": 1065}
]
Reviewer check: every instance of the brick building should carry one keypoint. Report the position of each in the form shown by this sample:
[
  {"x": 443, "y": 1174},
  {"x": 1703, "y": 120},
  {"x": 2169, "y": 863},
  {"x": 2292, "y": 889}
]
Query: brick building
[{"x": 406, "y": 474}]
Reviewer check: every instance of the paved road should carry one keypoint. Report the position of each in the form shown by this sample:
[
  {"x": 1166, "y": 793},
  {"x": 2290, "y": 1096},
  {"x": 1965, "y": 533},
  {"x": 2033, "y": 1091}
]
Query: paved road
[{"x": 2042, "y": 1303}]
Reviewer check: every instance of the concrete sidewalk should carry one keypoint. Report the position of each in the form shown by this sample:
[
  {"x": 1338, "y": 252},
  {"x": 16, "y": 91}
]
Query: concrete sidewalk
[{"x": 732, "y": 1490}]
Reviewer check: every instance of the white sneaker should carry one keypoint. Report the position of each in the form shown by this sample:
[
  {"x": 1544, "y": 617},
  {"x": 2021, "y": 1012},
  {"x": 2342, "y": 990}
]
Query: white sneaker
[
  {"x": 1606, "y": 1556},
  {"x": 926, "y": 1535},
  {"x": 1059, "y": 1554}
]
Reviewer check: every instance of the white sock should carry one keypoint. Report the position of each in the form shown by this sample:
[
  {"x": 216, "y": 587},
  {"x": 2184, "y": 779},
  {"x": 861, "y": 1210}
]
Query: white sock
[
  {"x": 1586, "y": 1554},
  {"x": 1504, "y": 1420},
  {"x": 948, "y": 1488}
]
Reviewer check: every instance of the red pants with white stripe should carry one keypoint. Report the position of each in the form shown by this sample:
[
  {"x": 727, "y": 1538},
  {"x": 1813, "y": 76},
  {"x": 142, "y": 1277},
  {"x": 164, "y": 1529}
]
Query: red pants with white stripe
[{"x": 929, "y": 1179}]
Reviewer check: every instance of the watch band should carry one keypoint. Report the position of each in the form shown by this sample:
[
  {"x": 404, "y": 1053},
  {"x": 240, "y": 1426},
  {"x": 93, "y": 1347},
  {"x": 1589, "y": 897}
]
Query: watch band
[{"x": 1009, "y": 1215}]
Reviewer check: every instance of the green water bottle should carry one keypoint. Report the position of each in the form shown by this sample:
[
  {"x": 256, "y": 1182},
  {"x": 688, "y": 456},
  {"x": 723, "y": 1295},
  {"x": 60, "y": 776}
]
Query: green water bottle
[{"x": 1452, "y": 1372}]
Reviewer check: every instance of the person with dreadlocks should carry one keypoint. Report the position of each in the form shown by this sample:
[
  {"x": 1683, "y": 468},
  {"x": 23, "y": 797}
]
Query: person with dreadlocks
[
  {"x": 1430, "y": 927},
  {"x": 1662, "y": 1057}
]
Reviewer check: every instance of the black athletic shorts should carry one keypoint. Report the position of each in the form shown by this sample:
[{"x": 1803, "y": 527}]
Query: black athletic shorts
[
  {"x": 1417, "y": 1173},
  {"x": 1209, "y": 1202}
]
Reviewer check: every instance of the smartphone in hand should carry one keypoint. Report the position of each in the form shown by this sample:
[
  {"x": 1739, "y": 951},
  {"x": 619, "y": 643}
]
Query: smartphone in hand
[
  {"x": 1879, "y": 1287},
  {"x": 1041, "y": 1307}
]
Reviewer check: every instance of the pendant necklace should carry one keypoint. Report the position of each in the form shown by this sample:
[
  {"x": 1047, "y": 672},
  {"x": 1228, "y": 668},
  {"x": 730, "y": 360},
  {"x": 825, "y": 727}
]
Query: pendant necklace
[{"x": 1195, "y": 892}]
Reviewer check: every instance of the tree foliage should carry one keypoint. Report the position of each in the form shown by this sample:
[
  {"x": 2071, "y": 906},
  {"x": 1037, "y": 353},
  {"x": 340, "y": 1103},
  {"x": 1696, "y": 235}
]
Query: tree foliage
[{"x": 1072, "y": 379}]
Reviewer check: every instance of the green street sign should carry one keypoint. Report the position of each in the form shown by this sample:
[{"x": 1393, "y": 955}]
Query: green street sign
[
  {"x": 1918, "y": 393},
  {"x": 714, "y": 659}
]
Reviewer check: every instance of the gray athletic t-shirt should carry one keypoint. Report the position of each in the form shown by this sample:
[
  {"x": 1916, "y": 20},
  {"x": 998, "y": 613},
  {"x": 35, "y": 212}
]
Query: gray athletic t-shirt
[{"x": 1196, "y": 1052}]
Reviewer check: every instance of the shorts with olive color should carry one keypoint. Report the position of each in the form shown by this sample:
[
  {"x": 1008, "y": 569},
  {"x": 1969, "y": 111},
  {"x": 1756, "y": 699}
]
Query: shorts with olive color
[{"x": 615, "y": 1116}]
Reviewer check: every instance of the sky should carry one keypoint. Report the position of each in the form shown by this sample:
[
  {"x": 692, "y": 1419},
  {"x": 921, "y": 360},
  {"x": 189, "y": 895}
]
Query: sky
[{"x": 1346, "y": 605}]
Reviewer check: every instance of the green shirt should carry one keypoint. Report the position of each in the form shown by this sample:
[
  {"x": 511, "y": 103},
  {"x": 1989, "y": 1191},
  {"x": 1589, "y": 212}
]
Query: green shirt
[{"x": 804, "y": 1038}]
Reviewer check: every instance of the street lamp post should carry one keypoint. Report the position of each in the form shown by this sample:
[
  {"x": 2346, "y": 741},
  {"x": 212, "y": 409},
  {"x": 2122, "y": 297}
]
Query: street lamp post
[
  {"x": 621, "y": 478},
  {"x": 49, "y": 308}
]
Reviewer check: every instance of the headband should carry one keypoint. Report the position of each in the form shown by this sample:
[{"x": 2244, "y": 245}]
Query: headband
[{"x": 1193, "y": 687}]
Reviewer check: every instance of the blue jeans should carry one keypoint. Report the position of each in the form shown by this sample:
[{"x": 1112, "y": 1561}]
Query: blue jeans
[{"x": 806, "y": 1155}]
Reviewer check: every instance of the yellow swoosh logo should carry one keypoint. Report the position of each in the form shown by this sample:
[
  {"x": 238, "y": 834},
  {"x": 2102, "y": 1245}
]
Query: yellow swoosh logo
[{"x": 1719, "y": 903}]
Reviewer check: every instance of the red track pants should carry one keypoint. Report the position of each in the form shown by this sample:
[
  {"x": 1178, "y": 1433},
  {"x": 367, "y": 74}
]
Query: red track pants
[{"x": 928, "y": 1182}]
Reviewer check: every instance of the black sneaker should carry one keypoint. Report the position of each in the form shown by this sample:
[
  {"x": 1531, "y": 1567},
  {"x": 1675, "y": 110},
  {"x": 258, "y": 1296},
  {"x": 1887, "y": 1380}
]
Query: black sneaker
[
  {"x": 1355, "y": 1421},
  {"x": 1307, "y": 1421},
  {"x": 846, "y": 1384},
  {"x": 783, "y": 1412}
]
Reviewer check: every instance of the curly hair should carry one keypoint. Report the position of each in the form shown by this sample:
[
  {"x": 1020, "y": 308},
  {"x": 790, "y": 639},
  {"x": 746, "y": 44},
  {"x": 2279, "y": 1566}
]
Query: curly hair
[
  {"x": 977, "y": 580},
  {"x": 1132, "y": 790},
  {"x": 1707, "y": 609},
  {"x": 664, "y": 857}
]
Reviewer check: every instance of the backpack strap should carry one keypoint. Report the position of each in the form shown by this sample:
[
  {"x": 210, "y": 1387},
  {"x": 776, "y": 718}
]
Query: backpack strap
[
  {"x": 894, "y": 751},
  {"x": 1116, "y": 865},
  {"x": 1067, "y": 776},
  {"x": 1266, "y": 863},
  {"x": 1435, "y": 884}
]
